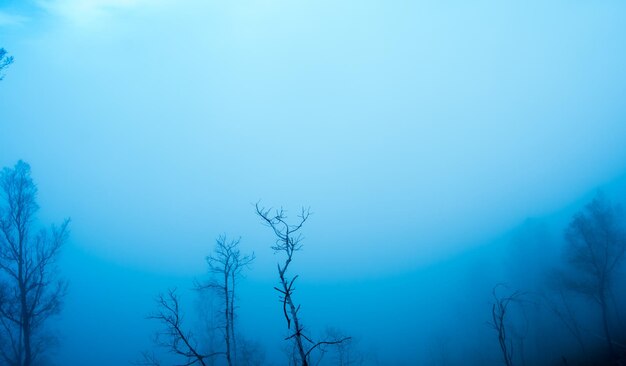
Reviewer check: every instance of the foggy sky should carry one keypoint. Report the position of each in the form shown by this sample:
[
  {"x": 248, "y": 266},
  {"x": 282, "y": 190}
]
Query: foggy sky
[
  {"x": 414, "y": 131},
  {"x": 426, "y": 127}
]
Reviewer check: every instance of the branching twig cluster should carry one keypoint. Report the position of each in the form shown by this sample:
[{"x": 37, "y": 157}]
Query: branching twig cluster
[
  {"x": 498, "y": 315},
  {"x": 288, "y": 241},
  {"x": 173, "y": 337}
]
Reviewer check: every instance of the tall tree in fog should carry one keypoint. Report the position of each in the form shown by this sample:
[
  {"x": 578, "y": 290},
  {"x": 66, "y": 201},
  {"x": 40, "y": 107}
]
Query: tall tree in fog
[
  {"x": 596, "y": 243},
  {"x": 5, "y": 61},
  {"x": 31, "y": 291},
  {"x": 288, "y": 241},
  {"x": 226, "y": 264}
]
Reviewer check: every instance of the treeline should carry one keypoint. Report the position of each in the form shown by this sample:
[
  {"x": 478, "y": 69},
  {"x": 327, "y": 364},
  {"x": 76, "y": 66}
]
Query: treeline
[
  {"x": 581, "y": 293},
  {"x": 590, "y": 272}
]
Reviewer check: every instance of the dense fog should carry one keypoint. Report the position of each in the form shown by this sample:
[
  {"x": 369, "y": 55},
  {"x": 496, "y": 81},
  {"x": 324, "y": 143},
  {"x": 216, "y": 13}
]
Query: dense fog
[{"x": 312, "y": 183}]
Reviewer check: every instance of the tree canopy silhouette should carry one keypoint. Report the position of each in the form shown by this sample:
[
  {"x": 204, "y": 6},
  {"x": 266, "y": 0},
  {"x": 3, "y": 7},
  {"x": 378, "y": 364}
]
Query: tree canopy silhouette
[{"x": 30, "y": 290}]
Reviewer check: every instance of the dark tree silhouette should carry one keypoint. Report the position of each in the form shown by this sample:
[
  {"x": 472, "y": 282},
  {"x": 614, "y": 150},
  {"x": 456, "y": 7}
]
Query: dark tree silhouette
[
  {"x": 5, "y": 61},
  {"x": 596, "y": 243},
  {"x": 288, "y": 241},
  {"x": 174, "y": 338},
  {"x": 226, "y": 264},
  {"x": 499, "y": 311},
  {"x": 31, "y": 291}
]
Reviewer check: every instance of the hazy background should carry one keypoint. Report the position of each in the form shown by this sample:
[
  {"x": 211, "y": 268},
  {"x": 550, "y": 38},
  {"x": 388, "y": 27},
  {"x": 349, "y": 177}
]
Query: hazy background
[{"x": 420, "y": 134}]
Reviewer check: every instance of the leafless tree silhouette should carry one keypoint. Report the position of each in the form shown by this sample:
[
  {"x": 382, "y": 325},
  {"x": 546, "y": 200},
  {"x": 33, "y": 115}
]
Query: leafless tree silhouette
[
  {"x": 499, "y": 311},
  {"x": 31, "y": 291},
  {"x": 226, "y": 264},
  {"x": 596, "y": 243},
  {"x": 174, "y": 338},
  {"x": 288, "y": 241}
]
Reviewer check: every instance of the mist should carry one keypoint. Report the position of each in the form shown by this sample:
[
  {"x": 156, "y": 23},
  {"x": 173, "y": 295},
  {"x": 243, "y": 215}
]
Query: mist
[{"x": 442, "y": 152}]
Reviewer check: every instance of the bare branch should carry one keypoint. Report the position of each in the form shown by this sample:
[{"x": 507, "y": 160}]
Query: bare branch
[
  {"x": 498, "y": 315},
  {"x": 174, "y": 338},
  {"x": 318, "y": 344}
]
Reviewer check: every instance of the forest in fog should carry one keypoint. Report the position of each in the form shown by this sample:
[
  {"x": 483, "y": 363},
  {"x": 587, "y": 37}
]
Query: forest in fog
[
  {"x": 549, "y": 301},
  {"x": 312, "y": 183},
  {"x": 559, "y": 308}
]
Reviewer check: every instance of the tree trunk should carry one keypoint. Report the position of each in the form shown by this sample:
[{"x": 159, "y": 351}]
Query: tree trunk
[
  {"x": 232, "y": 320},
  {"x": 27, "y": 348},
  {"x": 605, "y": 325},
  {"x": 24, "y": 316},
  {"x": 296, "y": 322},
  {"x": 227, "y": 318}
]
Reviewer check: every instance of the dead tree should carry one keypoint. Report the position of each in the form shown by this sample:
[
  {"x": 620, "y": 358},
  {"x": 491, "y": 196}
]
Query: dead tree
[
  {"x": 174, "y": 338},
  {"x": 596, "y": 243},
  {"x": 288, "y": 241},
  {"x": 226, "y": 264},
  {"x": 31, "y": 290},
  {"x": 499, "y": 311}
]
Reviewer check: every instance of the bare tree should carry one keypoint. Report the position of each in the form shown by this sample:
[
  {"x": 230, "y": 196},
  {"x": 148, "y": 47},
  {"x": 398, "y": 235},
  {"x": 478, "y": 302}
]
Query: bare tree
[
  {"x": 31, "y": 291},
  {"x": 499, "y": 311},
  {"x": 288, "y": 241},
  {"x": 596, "y": 243},
  {"x": 226, "y": 264},
  {"x": 174, "y": 338},
  {"x": 5, "y": 61}
]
